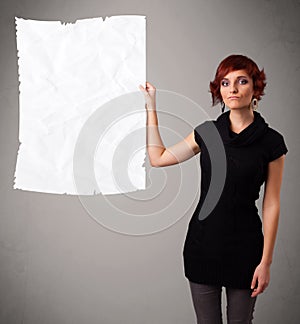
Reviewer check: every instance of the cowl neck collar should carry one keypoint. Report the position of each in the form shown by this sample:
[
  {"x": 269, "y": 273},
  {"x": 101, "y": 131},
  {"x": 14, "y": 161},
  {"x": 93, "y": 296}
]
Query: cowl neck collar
[{"x": 247, "y": 136}]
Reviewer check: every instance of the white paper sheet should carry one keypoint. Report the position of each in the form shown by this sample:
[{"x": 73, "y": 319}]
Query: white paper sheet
[{"x": 67, "y": 72}]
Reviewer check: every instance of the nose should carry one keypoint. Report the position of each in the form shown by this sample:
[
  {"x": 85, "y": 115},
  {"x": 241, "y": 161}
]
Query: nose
[{"x": 233, "y": 88}]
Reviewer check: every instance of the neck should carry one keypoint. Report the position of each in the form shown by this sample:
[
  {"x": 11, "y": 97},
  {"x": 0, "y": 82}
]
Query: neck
[{"x": 240, "y": 119}]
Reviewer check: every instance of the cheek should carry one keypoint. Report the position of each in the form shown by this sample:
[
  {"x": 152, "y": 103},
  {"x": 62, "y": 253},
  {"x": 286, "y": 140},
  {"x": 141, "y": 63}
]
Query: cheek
[
  {"x": 250, "y": 90},
  {"x": 223, "y": 92},
  {"x": 250, "y": 94}
]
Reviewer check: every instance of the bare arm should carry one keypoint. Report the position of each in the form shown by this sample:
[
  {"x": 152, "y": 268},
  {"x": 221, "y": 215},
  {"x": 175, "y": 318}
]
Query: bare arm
[
  {"x": 270, "y": 215},
  {"x": 271, "y": 207},
  {"x": 159, "y": 155}
]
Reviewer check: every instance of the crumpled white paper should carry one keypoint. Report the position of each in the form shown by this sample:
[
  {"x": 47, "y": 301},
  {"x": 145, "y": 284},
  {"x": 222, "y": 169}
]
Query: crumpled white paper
[{"x": 67, "y": 72}]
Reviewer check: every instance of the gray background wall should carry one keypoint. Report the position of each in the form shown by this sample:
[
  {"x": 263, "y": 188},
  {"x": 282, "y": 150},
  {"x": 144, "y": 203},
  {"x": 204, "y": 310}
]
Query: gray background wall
[{"x": 57, "y": 265}]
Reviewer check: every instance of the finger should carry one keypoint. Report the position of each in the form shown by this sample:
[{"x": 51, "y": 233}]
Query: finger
[
  {"x": 144, "y": 91},
  {"x": 254, "y": 293},
  {"x": 253, "y": 283},
  {"x": 150, "y": 86},
  {"x": 259, "y": 289}
]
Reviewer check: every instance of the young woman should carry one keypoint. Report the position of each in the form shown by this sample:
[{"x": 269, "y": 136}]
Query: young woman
[{"x": 231, "y": 247}]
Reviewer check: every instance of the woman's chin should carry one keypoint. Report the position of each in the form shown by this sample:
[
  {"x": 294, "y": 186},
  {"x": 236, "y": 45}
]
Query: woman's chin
[{"x": 236, "y": 107}]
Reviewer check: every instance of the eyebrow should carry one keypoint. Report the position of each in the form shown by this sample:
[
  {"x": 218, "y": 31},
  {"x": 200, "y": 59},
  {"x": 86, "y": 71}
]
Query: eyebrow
[{"x": 239, "y": 77}]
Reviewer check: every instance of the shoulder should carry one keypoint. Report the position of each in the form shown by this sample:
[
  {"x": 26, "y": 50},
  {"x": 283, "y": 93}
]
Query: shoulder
[
  {"x": 274, "y": 143},
  {"x": 273, "y": 136},
  {"x": 202, "y": 130},
  {"x": 273, "y": 133}
]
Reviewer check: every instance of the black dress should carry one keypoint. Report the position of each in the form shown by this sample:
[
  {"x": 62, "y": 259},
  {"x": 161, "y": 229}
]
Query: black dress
[{"x": 226, "y": 246}]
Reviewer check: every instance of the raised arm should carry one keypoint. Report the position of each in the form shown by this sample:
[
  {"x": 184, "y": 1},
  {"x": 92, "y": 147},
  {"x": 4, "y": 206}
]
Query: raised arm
[{"x": 159, "y": 155}]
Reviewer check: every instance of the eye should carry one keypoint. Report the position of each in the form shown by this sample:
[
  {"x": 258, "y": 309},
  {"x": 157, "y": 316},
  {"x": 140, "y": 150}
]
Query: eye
[
  {"x": 224, "y": 83},
  {"x": 243, "y": 81}
]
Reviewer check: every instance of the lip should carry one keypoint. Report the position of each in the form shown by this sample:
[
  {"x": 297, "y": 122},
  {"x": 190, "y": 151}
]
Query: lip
[{"x": 233, "y": 97}]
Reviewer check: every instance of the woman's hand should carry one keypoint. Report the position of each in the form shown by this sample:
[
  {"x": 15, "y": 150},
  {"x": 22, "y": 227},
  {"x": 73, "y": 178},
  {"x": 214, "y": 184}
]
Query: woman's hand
[
  {"x": 262, "y": 275},
  {"x": 149, "y": 93}
]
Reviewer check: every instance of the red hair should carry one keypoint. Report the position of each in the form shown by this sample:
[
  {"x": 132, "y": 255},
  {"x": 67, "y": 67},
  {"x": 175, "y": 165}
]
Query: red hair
[{"x": 233, "y": 63}]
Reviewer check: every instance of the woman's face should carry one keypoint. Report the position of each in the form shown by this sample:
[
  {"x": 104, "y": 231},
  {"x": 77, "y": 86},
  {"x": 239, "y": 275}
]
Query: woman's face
[{"x": 237, "y": 89}]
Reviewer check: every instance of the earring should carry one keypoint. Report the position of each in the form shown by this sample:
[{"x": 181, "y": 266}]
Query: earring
[
  {"x": 223, "y": 106},
  {"x": 254, "y": 104}
]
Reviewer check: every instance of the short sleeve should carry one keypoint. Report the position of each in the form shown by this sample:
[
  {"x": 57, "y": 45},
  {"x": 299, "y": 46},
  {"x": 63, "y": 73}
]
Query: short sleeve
[
  {"x": 197, "y": 131},
  {"x": 202, "y": 131},
  {"x": 196, "y": 136},
  {"x": 277, "y": 146}
]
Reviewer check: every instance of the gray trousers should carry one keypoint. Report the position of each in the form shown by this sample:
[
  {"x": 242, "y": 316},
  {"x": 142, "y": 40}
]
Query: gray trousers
[{"x": 207, "y": 304}]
